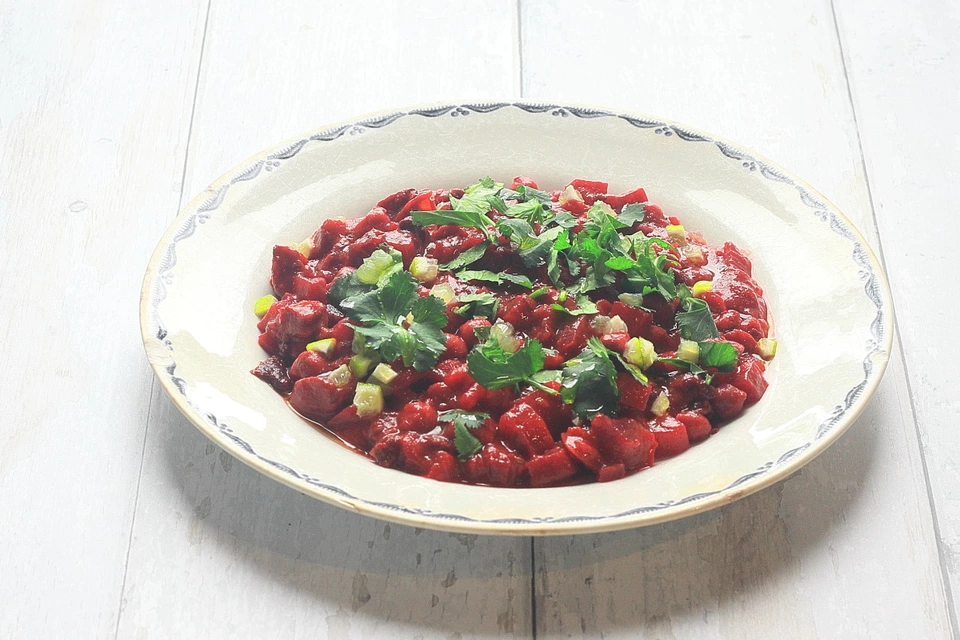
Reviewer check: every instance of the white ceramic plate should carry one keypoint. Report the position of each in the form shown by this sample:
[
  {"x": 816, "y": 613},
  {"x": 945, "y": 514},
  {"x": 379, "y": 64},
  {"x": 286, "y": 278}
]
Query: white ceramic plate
[{"x": 829, "y": 302}]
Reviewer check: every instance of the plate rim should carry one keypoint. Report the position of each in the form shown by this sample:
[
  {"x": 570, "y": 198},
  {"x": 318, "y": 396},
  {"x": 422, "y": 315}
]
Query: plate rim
[{"x": 185, "y": 223}]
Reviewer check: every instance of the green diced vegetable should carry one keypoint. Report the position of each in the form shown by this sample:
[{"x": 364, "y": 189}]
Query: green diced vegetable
[
  {"x": 767, "y": 348},
  {"x": 639, "y": 352},
  {"x": 688, "y": 350},
  {"x": 368, "y": 400},
  {"x": 424, "y": 269},
  {"x": 340, "y": 376},
  {"x": 360, "y": 365},
  {"x": 701, "y": 287},
  {"x": 383, "y": 375},
  {"x": 660, "y": 405},
  {"x": 324, "y": 347},
  {"x": 262, "y": 305}
]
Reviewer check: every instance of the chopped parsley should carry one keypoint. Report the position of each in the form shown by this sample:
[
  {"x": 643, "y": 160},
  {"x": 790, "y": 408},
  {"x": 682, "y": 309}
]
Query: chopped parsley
[
  {"x": 398, "y": 323},
  {"x": 467, "y": 444},
  {"x": 589, "y": 382},
  {"x": 493, "y": 368}
]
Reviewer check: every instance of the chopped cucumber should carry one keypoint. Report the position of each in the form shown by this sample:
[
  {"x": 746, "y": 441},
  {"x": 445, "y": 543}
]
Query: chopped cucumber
[
  {"x": 767, "y": 348},
  {"x": 639, "y": 352},
  {"x": 570, "y": 195},
  {"x": 368, "y": 399},
  {"x": 375, "y": 267},
  {"x": 631, "y": 299},
  {"x": 677, "y": 233},
  {"x": 360, "y": 366},
  {"x": 424, "y": 269},
  {"x": 262, "y": 305},
  {"x": 689, "y": 351},
  {"x": 701, "y": 287},
  {"x": 340, "y": 376},
  {"x": 504, "y": 334},
  {"x": 383, "y": 375},
  {"x": 616, "y": 325},
  {"x": 694, "y": 254},
  {"x": 660, "y": 404},
  {"x": 444, "y": 291},
  {"x": 304, "y": 247},
  {"x": 324, "y": 347}
]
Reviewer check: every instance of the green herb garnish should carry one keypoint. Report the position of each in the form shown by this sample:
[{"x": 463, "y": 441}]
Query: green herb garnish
[
  {"x": 493, "y": 368},
  {"x": 589, "y": 382},
  {"x": 466, "y": 443}
]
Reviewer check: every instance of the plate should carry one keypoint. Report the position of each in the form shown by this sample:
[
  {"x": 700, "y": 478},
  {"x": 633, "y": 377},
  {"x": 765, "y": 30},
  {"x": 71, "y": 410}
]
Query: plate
[{"x": 829, "y": 301}]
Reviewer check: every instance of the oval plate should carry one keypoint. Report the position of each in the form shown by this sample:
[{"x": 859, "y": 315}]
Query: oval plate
[{"x": 829, "y": 302}]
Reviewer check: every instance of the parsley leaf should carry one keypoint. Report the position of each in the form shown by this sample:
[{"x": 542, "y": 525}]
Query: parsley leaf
[
  {"x": 532, "y": 211},
  {"x": 469, "y": 256},
  {"x": 695, "y": 321},
  {"x": 585, "y": 306},
  {"x": 478, "y": 305},
  {"x": 382, "y": 315},
  {"x": 346, "y": 286},
  {"x": 721, "y": 355},
  {"x": 493, "y": 368},
  {"x": 489, "y": 276},
  {"x": 459, "y": 217},
  {"x": 589, "y": 382},
  {"x": 632, "y": 214},
  {"x": 466, "y": 443}
]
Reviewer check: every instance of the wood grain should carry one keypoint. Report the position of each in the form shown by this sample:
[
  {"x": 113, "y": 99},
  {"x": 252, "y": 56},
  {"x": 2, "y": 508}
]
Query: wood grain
[
  {"x": 815, "y": 555},
  {"x": 905, "y": 82},
  {"x": 219, "y": 549},
  {"x": 87, "y": 93}
]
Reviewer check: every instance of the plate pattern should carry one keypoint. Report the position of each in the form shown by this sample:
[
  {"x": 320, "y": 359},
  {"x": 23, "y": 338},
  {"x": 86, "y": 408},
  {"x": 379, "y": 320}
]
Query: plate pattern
[{"x": 859, "y": 254}]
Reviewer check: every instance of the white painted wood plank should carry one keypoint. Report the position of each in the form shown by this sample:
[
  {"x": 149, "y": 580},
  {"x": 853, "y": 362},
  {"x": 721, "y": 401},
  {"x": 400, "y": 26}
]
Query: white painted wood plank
[
  {"x": 219, "y": 550},
  {"x": 86, "y": 92},
  {"x": 846, "y": 547},
  {"x": 905, "y": 80}
]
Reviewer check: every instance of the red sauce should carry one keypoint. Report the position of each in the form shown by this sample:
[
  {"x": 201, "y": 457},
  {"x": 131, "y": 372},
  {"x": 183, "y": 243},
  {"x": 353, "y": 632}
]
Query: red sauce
[{"x": 532, "y": 438}]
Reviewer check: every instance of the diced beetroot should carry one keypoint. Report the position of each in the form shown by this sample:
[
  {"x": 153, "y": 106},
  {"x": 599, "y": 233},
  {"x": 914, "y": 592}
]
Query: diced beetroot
[
  {"x": 631, "y": 197},
  {"x": 583, "y": 446},
  {"x": 469, "y": 398},
  {"x": 715, "y": 301},
  {"x": 377, "y": 219},
  {"x": 698, "y": 426},
  {"x": 291, "y": 323},
  {"x": 552, "y": 467},
  {"x": 749, "y": 378},
  {"x": 287, "y": 263},
  {"x": 404, "y": 242},
  {"x": 274, "y": 372},
  {"x": 524, "y": 181},
  {"x": 319, "y": 399},
  {"x": 456, "y": 347},
  {"x": 671, "y": 436},
  {"x": 623, "y": 440},
  {"x": 637, "y": 320},
  {"x": 733, "y": 256},
  {"x": 654, "y": 215},
  {"x": 311, "y": 363},
  {"x": 615, "y": 341},
  {"x": 573, "y": 336},
  {"x": 466, "y": 331},
  {"x": 727, "y": 402},
  {"x": 688, "y": 389},
  {"x": 347, "y": 419},
  {"x": 327, "y": 235},
  {"x": 425, "y": 201},
  {"x": 524, "y": 430},
  {"x": 576, "y": 207},
  {"x": 445, "y": 468},
  {"x": 452, "y": 372},
  {"x": 419, "y": 416},
  {"x": 494, "y": 465},
  {"x": 755, "y": 327},
  {"x": 517, "y": 310},
  {"x": 555, "y": 413},
  {"x": 543, "y": 323},
  {"x": 633, "y": 393},
  {"x": 611, "y": 472},
  {"x": 744, "y": 339},
  {"x": 590, "y": 190},
  {"x": 392, "y": 204}
]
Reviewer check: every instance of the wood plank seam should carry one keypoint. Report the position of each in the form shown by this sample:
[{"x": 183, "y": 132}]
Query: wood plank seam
[
  {"x": 941, "y": 553},
  {"x": 153, "y": 382}
]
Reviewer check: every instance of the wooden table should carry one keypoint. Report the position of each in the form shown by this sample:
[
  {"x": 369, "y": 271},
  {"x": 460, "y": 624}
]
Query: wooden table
[{"x": 119, "y": 519}]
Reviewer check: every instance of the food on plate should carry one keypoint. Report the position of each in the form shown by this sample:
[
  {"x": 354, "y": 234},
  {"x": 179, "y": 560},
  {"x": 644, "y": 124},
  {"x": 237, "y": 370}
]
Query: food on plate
[{"x": 515, "y": 337}]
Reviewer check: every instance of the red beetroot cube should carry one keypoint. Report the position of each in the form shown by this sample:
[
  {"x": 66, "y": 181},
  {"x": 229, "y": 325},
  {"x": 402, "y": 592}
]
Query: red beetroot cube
[
  {"x": 624, "y": 440},
  {"x": 671, "y": 436},
  {"x": 633, "y": 393},
  {"x": 494, "y": 465},
  {"x": 319, "y": 399},
  {"x": 611, "y": 472},
  {"x": 419, "y": 416},
  {"x": 697, "y": 424},
  {"x": 524, "y": 430},
  {"x": 552, "y": 467},
  {"x": 583, "y": 446},
  {"x": 728, "y": 402},
  {"x": 445, "y": 468}
]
